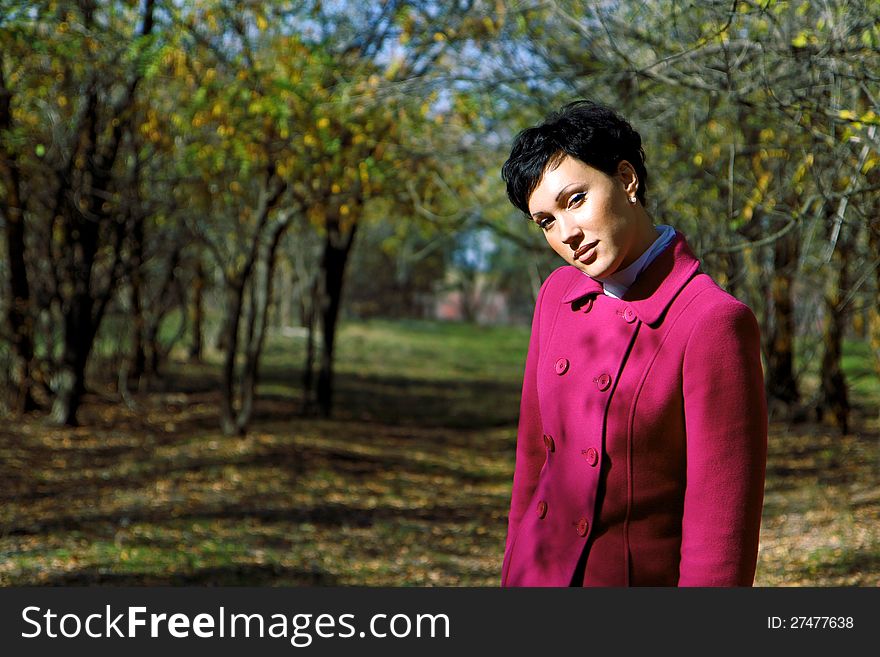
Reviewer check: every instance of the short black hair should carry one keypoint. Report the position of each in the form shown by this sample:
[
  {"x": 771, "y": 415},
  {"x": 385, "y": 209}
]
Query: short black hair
[{"x": 593, "y": 133}]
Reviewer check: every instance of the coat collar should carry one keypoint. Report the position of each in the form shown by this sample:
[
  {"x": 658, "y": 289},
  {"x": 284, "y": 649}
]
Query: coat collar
[{"x": 656, "y": 286}]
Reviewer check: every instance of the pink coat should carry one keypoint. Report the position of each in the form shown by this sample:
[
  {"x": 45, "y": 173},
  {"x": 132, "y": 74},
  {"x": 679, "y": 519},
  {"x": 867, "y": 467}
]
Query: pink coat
[{"x": 642, "y": 438}]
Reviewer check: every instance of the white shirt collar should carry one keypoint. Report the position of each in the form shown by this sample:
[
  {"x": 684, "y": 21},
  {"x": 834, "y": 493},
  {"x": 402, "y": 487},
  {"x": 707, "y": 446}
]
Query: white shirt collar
[{"x": 619, "y": 282}]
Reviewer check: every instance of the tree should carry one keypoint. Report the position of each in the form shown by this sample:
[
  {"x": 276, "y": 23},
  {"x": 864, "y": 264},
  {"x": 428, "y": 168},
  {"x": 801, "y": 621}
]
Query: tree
[
  {"x": 72, "y": 98},
  {"x": 370, "y": 134},
  {"x": 772, "y": 102},
  {"x": 12, "y": 210}
]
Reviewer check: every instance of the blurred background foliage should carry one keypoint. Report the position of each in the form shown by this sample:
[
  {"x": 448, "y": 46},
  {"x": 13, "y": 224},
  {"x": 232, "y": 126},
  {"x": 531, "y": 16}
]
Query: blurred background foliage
[{"x": 205, "y": 188}]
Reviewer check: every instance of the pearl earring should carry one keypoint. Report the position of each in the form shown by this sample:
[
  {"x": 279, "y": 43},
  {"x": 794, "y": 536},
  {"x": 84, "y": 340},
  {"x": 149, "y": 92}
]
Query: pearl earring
[{"x": 632, "y": 199}]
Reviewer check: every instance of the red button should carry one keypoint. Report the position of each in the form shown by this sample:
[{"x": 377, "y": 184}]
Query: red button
[
  {"x": 542, "y": 509},
  {"x": 629, "y": 315},
  {"x": 583, "y": 526},
  {"x": 548, "y": 443},
  {"x": 592, "y": 456},
  {"x": 603, "y": 382},
  {"x": 561, "y": 366}
]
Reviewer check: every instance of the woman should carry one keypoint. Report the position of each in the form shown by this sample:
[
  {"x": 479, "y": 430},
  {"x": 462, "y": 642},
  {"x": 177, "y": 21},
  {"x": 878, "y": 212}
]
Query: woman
[{"x": 642, "y": 438}]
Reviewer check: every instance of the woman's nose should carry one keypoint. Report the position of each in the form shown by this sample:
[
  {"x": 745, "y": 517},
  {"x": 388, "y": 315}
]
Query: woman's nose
[{"x": 571, "y": 233}]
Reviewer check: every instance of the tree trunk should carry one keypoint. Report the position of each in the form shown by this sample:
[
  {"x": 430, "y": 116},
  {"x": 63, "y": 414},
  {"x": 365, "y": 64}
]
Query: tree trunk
[
  {"x": 310, "y": 304},
  {"x": 79, "y": 250},
  {"x": 79, "y": 335},
  {"x": 874, "y": 309},
  {"x": 229, "y": 337},
  {"x": 752, "y": 289},
  {"x": 261, "y": 295},
  {"x": 469, "y": 290},
  {"x": 169, "y": 296},
  {"x": 12, "y": 208},
  {"x": 729, "y": 269},
  {"x": 833, "y": 405},
  {"x": 247, "y": 382},
  {"x": 284, "y": 305},
  {"x": 260, "y": 249},
  {"x": 138, "y": 355},
  {"x": 82, "y": 194},
  {"x": 336, "y": 251},
  {"x": 198, "y": 313},
  {"x": 781, "y": 382},
  {"x": 239, "y": 392}
]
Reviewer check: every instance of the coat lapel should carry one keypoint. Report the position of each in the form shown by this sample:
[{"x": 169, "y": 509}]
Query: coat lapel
[
  {"x": 657, "y": 286},
  {"x": 654, "y": 289}
]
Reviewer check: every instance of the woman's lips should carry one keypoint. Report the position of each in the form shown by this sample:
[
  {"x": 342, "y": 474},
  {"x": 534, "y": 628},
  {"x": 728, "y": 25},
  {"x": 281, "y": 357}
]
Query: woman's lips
[{"x": 584, "y": 251}]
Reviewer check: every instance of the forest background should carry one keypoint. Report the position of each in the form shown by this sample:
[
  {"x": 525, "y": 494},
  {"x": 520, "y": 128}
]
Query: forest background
[{"x": 265, "y": 304}]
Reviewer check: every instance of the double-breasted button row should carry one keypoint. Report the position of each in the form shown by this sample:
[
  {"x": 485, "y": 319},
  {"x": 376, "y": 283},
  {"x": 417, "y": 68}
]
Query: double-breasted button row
[
  {"x": 582, "y": 526},
  {"x": 591, "y": 455},
  {"x": 549, "y": 443},
  {"x": 603, "y": 381}
]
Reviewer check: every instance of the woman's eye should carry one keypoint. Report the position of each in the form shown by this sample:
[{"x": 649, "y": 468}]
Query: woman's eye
[
  {"x": 576, "y": 199},
  {"x": 546, "y": 222}
]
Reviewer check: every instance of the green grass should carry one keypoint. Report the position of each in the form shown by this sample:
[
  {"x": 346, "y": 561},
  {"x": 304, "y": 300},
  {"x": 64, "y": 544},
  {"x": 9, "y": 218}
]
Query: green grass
[
  {"x": 426, "y": 350},
  {"x": 861, "y": 372},
  {"x": 408, "y": 484},
  {"x": 857, "y": 362}
]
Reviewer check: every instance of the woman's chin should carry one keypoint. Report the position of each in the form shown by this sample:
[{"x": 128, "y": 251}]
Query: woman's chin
[{"x": 594, "y": 269}]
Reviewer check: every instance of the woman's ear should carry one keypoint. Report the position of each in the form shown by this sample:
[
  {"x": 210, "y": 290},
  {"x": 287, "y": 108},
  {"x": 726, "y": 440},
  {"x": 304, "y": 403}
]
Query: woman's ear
[{"x": 626, "y": 173}]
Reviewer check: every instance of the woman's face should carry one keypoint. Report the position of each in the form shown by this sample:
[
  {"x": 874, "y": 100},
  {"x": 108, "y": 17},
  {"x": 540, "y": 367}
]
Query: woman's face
[{"x": 587, "y": 218}]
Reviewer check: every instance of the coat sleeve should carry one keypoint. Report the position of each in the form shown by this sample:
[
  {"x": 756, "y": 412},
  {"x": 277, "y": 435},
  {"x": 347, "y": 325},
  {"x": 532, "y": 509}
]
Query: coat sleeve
[
  {"x": 530, "y": 450},
  {"x": 726, "y": 422}
]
